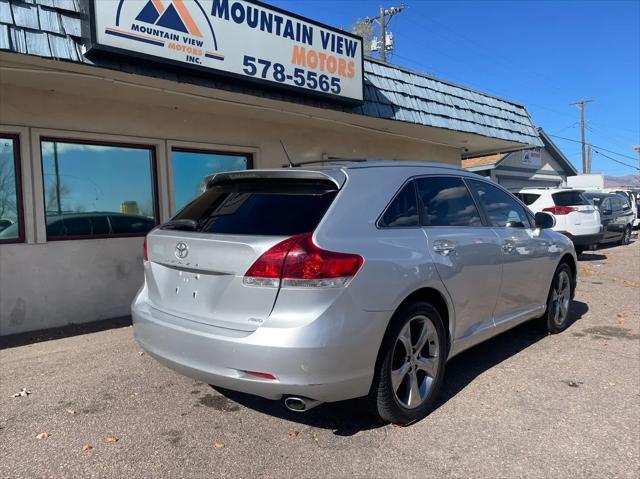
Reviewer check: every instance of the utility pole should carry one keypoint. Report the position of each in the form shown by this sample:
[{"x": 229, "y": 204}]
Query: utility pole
[
  {"x": 581, "y": 103},
  {"x": 383, "y": 19},
  {"x": 589, "y": 158}
]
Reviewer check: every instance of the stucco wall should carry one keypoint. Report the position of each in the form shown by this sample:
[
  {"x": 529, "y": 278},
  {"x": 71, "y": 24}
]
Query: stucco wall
[{"x": 49, "y": 284}]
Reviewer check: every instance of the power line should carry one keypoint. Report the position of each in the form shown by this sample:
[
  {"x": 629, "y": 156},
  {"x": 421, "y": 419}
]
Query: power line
[
  {"x": 613, "y": 159},
  {"x": 594, "y": 146}
]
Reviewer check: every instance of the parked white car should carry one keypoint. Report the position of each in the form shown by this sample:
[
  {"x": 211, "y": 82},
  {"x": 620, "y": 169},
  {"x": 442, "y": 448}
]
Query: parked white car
[{"x": 575, "y": 216}]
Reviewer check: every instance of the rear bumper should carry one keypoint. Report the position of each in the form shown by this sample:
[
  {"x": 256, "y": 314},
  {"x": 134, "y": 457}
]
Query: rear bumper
[
  {"x": 586, "y": 240},
  {"x": 305, "y": 360}
]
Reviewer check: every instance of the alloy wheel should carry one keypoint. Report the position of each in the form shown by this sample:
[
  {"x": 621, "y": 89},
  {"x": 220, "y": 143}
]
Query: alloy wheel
[
  {"x": 414, "y": 366},
  {"x": 561, "y": 298}
]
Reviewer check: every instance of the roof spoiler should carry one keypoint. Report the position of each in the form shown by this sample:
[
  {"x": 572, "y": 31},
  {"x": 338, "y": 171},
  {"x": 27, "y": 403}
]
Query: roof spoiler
[{"x": 335, "y": 176}]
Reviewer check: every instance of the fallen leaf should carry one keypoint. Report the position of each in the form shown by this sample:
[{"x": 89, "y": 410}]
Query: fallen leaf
[
  {"x": 218, "y": 445},
  {"x": 71, "y": 412},
  {"x": 294, "y": 433},
  {"x": 43, "y": 435},
  {"x": 314, "y": 435},
  {"x": 23, "y": 392},
  {"x": 141, "y": 353},
  {"x": 87, "y": 447},
  {"x": 111, "y": 439}
]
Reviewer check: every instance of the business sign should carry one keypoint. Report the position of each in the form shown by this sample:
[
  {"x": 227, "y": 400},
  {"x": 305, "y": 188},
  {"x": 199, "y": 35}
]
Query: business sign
[
  {"x": 242, "y": 39},
  {"x": 532, "y": 157}
]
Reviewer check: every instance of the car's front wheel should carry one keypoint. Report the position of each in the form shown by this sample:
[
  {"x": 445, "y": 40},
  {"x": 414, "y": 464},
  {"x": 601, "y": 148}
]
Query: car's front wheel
[
  {"x": 411, "y": 365},
  {"x": 556, "y": 319}
]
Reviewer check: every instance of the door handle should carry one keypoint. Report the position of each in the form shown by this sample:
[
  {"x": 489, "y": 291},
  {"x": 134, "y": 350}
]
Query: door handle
[
  {"x": 444, "y": 247},
  {"x": 508, "y": 246}
]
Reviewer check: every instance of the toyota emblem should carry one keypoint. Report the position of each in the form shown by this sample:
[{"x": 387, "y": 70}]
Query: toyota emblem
[{"x": 182, "y": 251}]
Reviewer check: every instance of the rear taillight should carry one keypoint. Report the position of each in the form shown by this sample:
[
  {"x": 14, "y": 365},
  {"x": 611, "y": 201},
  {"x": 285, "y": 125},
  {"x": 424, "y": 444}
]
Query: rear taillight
[
  {"x": 560, "y": 210},
  {"x": 298, "y": 262}
]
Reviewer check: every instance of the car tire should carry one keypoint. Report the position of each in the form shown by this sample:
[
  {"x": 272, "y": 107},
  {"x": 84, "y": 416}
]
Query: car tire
[
  {"x": 406, "y": 384},
  {"x": 626, "y": 237},
  {"x": 557, "y": 316}
]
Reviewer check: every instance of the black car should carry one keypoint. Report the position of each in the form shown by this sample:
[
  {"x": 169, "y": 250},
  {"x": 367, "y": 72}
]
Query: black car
[{"x": 616, "y": 216}]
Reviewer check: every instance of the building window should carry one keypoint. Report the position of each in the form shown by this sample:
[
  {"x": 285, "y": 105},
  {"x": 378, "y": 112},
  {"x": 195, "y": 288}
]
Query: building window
[
  {"x": 191, "y": 167},
  {"x": 97, "y": 189},
  {"x": 11, "y": 218}
]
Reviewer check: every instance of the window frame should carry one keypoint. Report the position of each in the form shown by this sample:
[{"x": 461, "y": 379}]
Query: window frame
[
  {"x": 78, "y": 141},
  {"x": 17, "y": 168}
]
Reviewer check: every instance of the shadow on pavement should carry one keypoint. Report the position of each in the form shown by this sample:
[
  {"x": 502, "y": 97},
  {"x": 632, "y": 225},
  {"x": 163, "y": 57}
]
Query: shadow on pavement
[
  {"x": 22, "y": 339},
  {"x": 347, "y": 418},
  {"x": 590, "y": 256}
]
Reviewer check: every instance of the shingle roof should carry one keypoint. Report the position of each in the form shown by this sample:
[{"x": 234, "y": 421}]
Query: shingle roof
[{"x": 52, "y": 29}]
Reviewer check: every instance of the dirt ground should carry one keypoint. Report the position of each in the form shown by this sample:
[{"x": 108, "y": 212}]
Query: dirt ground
[{"x": 521, "y": 405}]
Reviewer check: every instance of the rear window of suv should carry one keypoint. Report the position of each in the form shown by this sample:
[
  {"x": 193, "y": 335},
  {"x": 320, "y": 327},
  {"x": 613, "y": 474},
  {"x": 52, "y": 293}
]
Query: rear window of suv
[
  {"x": 569, "y": 198},
  {"x": 260, "y": 207}
]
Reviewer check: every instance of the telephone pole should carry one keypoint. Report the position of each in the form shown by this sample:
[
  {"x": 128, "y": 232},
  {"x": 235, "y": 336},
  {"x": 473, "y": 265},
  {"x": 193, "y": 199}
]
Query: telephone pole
[
  {"x": 589, "y": 158},
  {"x": 581, "y": 103},
  {"x": 383, "y": 19}
]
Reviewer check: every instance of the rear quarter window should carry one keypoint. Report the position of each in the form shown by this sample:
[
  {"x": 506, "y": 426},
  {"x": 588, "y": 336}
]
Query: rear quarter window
[
  {"x": 528, "y": 198},
  {"x": 569, "y": 198},
  {"x": 261, "y": 207}
]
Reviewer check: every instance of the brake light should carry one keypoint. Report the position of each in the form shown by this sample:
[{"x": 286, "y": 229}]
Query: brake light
[
  {"x": 560, "y": 210},
  {"x": 298, "y": 262}
]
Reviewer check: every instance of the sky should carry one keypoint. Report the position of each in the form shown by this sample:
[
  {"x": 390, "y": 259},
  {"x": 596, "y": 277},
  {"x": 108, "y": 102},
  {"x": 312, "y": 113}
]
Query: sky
[{"x": 542, "y": 54}]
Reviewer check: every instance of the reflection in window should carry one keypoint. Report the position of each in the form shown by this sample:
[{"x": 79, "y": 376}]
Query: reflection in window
[
  {"x": 10, "y": 226},
  {"x": 191, "y": 167},
  {"x": 97, "y": 190},
  {"x": 446, "y": 202},
  {"x": 403, "y": 211},
  {"x": 502, "y": 208}
]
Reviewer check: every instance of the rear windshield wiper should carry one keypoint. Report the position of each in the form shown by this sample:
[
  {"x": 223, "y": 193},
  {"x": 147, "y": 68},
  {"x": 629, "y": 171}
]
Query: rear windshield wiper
[{"x": 182, "y": 224}]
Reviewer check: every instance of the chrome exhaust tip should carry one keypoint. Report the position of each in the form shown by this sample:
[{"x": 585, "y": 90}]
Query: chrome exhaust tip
[{"x": 300, "y": 404}]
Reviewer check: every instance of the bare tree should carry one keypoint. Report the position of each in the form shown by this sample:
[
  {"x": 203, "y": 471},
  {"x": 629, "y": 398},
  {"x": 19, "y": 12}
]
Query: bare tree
[
  {"x": 8, "y": 206},
  {"x": 52, "y": 197},
  {"x": 365, "y": 30}
]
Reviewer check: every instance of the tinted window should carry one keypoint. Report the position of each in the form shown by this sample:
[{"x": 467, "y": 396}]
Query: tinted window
[
  {"x": 605, "y": 205},
  {"x": 273, "y": 208},
  {"x": 502, "y": 208},
  {"x": 446, "y": 202},
  {"x": 528, "y": 198},
  {"x": 569, "y": 198},
  {"x": 191, "y": 167},
  {"x": 618, "y": 204},
  {"x": 84, "y": 178},
  {"x": 121, "y": 224},
  {"x": 403, "y": 210},
  {"x": 9, "y": 198}
]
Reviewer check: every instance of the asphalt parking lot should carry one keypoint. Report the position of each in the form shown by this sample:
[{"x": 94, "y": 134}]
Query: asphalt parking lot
[{"x": 522, "y": 405}]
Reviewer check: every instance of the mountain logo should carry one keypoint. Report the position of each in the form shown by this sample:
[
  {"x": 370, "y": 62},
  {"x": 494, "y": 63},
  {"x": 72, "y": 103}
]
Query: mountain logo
[
  {"x": 173, "y": 16},
  {"x": 181, "y": 28}
]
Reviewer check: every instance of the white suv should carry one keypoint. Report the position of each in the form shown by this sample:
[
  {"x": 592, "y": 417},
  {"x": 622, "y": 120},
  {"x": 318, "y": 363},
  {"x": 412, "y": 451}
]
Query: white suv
[{"x": 575, "y": 216}]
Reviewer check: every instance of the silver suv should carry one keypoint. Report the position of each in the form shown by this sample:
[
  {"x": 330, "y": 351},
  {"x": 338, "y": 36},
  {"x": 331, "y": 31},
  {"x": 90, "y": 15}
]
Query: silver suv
[{"x": 356, "y": 279}]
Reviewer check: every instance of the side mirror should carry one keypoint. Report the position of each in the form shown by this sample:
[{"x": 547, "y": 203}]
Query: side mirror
[{"x": 544, "y": 221}]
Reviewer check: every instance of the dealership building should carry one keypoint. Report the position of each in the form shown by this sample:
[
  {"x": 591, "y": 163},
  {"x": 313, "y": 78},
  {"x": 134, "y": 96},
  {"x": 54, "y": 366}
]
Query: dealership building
[{"x": 113, "y": 112}]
